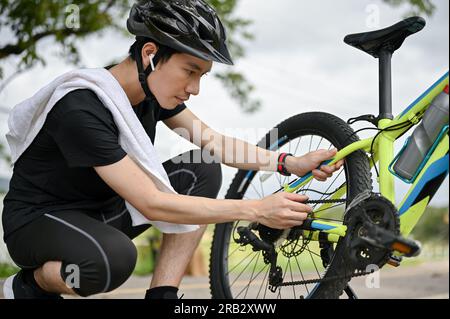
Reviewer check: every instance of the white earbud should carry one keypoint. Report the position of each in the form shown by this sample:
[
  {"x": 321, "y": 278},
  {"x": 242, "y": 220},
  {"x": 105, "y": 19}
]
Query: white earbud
[{"x": 150, "y": 57}]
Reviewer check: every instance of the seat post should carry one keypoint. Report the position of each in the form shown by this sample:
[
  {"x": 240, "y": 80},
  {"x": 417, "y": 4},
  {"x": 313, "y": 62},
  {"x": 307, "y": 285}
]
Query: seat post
[{"x": 385, "y": 79}]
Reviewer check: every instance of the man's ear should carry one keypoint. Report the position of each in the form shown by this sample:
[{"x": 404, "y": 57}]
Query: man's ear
[{"x": 147, "y": 50}]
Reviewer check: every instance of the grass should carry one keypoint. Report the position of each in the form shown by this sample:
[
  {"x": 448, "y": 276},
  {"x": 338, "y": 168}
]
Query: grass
[
  {"x": 7, "y": 270},
  {"x": 147, "y": 245}
]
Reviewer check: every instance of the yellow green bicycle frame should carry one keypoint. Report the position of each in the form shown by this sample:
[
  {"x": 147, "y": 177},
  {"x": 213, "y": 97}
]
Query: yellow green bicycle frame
[{"x": 435, "y": 168}]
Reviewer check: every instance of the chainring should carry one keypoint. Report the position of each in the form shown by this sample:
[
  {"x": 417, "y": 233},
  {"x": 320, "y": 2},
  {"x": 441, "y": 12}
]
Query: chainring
[{"x": 376, "y": 210}]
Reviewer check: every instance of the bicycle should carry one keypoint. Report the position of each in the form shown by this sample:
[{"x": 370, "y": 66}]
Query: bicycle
[{"x": 351, "y": 227}]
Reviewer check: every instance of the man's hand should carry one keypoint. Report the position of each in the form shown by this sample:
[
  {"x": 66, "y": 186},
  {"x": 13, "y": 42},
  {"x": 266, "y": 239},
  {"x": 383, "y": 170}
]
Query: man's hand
[
  {"x": 282, "y": 210},
  {"x": 309, "y": 162}
]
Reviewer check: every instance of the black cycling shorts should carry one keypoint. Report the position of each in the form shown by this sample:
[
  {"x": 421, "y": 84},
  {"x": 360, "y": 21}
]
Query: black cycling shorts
[{"x": 99, "y": 243}]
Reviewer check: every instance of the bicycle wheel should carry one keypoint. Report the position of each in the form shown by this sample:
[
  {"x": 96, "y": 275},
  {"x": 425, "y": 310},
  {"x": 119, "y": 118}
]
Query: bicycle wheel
[{"x": 239, "y": 272}]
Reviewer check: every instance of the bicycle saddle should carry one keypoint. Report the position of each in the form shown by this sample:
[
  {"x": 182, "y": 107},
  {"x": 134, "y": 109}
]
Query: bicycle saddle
[{"x": 390, "y": 38}]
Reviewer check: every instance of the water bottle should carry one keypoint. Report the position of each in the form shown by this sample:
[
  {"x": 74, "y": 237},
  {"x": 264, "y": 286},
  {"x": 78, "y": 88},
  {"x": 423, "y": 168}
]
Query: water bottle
[{"x": 423, "y": 137}]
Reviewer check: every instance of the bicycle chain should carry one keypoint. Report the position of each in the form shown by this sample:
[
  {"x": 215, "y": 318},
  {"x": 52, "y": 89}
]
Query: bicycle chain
[
  {"x": 316, "y": 281},
  {"x": 325, "y": 201}
]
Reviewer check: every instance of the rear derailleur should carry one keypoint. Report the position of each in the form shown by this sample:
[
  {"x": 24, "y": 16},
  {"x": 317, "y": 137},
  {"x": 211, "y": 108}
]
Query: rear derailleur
[{"x": 248, "y": 237}]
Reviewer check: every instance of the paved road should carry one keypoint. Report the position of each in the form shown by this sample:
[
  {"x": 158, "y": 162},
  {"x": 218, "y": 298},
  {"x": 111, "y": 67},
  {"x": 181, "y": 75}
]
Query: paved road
[{"x": 427, "y": 280}]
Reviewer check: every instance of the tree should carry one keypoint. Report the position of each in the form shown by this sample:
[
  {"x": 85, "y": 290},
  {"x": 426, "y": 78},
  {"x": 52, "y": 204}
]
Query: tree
[
  {"x": 417, "y": 7},
  {"x": 68, "y": 21}
]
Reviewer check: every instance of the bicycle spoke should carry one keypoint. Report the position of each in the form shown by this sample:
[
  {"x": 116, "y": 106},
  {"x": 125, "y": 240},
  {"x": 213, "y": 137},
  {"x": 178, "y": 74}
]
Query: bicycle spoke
[
  {"x": 267, "y": 285},
  {"x": 239, "y": 263},
  {"x": 296, "y": 148},
  {"x": 292, "y": 277},
  {"x": 284, "y": 180},
  {"x": 309, "y": 185},
  {"x": 279, "y": 179},
  {"x": 256, "y": 275},
  {"x": 328, "y": 188},
  {"x": 309, "y": 150},
  {"x": 242, "y": 271},
  {"x": 314, "y": 253},
  {"x": 334, "y": 180},
  {"x": 262, "y": 282},
  {"x": 237, "y": 248},
  {"x": 253, "y": 186},
  {"x": 279, "y": 289},
  {"x": 301, "y": 273},
  {"x": 310, "y": 144},
  {"x": 320, "y": 142},
  {"x": 251, "y": 279},
  {"x": 317, "y": 192},
  {"x": 312, "y": 258},
  {"x": 262, "y": 189},
  {"x": 264, "y": 279}
]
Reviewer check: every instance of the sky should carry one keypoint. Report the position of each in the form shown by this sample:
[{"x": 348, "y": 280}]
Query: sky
[{"x": 298, "y": 63}]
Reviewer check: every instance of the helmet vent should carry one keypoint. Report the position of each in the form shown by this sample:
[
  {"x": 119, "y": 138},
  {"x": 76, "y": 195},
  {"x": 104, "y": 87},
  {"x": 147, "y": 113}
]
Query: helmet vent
[
  {"x": 206, "y": 15},
  {"x": 205, "y": 34},
  {"x": 182, "y": 27},
  {"x": 167, "y": 28}
]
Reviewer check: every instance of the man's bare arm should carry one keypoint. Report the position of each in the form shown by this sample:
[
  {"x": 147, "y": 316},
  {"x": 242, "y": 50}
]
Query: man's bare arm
[
  {"x": 230, "y": 151},
  {"x": 243, "y": 155},
  {"x": 129, "y": 181}
]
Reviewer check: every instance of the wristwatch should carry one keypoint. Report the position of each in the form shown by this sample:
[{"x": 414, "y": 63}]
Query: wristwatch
[{"x": 281, "y": 166}]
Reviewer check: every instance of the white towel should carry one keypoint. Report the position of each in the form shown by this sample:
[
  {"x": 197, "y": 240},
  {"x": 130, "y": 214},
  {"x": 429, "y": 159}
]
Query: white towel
[{"x": 27, "y": 118}]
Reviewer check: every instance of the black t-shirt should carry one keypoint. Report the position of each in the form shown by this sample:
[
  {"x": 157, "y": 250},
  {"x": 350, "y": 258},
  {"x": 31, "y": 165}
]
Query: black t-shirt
[{"x": 56, "y": 171}]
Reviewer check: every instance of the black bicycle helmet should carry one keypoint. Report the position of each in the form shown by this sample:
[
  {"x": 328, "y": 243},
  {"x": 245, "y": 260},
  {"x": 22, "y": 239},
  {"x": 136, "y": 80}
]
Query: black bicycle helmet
[{"x": 187, "y": 26}]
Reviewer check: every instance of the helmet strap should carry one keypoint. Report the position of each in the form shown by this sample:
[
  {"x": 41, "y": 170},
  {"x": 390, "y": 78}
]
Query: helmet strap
[{"x": 144, "y": 74}]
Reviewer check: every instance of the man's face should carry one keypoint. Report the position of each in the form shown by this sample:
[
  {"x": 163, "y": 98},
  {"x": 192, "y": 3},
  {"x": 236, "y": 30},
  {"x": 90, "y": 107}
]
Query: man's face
[{"x": 177, "y": 79}]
